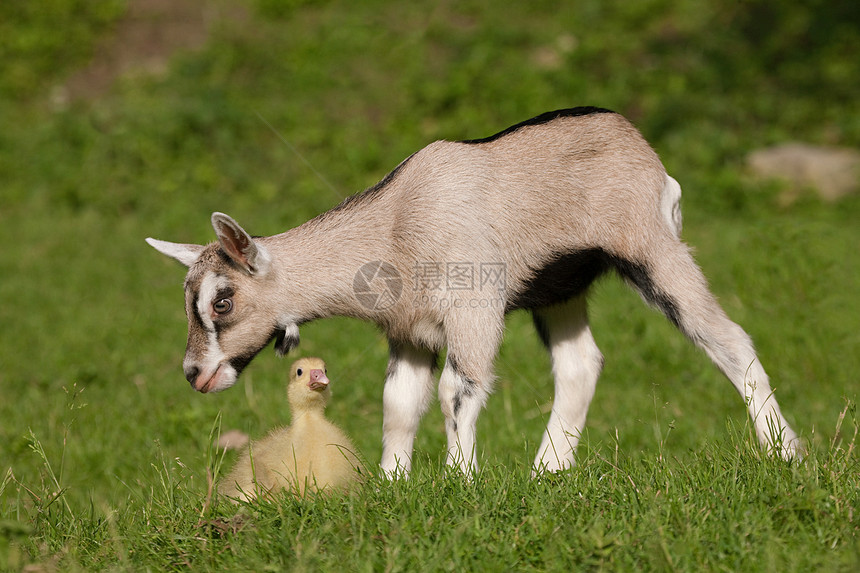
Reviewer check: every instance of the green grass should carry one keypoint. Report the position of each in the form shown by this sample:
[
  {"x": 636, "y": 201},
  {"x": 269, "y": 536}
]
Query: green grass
[
  {"x": 105, "y": 451},
  {"x": 724, "y": 507}
]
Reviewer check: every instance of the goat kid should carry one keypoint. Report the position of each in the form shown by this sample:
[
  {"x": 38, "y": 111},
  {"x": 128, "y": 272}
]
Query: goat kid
[{"x": 459, "y": 234}]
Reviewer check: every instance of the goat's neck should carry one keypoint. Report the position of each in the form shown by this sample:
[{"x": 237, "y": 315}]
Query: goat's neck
[{"x": 316, "y": 263}]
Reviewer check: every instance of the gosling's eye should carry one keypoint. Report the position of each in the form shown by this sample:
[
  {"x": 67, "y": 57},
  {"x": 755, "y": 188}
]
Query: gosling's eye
[
  {"x": 223, "y": 306},
  {"x": 299, "y": 372}
]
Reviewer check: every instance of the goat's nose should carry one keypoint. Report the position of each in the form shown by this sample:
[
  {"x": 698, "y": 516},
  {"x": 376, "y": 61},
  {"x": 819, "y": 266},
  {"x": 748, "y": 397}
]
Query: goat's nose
[{"x": 191, "y": 374}]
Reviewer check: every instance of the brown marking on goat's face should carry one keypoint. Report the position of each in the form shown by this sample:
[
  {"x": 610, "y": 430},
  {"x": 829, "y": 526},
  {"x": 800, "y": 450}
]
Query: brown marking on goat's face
[{"x": 220, "y": 345}]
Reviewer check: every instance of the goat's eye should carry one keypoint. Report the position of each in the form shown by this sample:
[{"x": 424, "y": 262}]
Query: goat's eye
[
  {"x": 299, "y": 372},
  {"x": 223, "y": 306}
]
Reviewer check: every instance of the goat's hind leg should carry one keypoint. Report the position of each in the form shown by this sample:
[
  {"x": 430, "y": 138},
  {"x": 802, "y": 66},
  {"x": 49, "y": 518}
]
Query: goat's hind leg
[
  {"x": 671, "y": 281},
  {"x": 408, "y": 388},
  {"x": 576, "y": 365}
]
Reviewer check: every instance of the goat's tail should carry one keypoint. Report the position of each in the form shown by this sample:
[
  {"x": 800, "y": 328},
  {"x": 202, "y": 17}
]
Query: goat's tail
[{"x": 670, "y": 205}]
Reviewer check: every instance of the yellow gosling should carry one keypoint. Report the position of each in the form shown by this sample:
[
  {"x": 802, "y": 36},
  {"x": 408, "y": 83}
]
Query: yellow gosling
[{"x": 310, "y": 455}]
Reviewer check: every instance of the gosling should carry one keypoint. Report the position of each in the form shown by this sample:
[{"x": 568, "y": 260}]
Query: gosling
[{"x": 311, "y": 455}]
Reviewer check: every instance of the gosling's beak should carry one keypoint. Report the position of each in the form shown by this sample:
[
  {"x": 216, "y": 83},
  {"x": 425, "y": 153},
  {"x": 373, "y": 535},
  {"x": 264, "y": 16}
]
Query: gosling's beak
[{"x": 318, "y": 380}]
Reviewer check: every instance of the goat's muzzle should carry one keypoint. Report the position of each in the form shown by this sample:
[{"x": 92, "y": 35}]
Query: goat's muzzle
[
  {"x": 191, "y": 374},
  {"x": 205, "y": 380}
]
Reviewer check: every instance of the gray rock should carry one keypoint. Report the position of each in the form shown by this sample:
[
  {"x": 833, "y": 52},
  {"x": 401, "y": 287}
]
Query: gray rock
[{"x": 832, "y": 171}]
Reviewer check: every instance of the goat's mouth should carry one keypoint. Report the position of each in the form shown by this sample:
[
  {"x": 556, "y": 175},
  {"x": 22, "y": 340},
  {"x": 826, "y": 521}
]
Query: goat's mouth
[
  {"x": 223, "y": 377},
  {"x": 206, "y": 386}
]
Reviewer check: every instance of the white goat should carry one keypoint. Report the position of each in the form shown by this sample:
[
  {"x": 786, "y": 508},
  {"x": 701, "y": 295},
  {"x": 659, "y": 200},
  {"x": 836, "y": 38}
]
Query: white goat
[{"x": 456, "y": 236}]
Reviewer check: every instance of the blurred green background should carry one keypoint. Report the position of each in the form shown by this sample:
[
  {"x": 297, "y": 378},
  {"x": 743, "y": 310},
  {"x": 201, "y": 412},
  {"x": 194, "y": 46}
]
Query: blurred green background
[{"x": 284, "y": 107}]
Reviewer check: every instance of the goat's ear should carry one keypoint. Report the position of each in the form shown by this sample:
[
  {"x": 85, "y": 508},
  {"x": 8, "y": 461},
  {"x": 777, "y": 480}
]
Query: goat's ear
[
  {"x": 239, "y": 246},
  {"x": 184, "y": 253}
]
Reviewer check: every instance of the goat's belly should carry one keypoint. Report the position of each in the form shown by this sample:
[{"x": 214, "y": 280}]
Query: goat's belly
[{"x": 559, "y": 277}]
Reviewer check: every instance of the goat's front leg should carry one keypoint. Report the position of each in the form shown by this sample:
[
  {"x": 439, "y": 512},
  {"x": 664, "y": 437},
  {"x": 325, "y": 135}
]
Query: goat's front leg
[
  {"x": 461, "y": 400},
  {"x": 408, "y": 388},
  {"x": 465, "y": 383}
]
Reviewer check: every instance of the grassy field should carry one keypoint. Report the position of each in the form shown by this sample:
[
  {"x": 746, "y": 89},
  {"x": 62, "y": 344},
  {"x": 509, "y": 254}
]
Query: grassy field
[{"x": 106, "y": 454}]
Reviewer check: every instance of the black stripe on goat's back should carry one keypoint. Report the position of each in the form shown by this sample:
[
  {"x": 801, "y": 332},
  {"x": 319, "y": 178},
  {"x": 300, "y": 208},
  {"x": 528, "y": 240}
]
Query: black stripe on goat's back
[
  {"x": 372, "y": 192},
  {"x": 541, "y": 119}
]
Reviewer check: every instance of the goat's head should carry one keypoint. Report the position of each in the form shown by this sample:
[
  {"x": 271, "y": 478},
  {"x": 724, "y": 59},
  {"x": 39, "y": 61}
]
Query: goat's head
[{"x": 228, "y": 300}]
